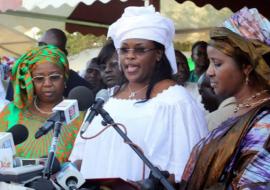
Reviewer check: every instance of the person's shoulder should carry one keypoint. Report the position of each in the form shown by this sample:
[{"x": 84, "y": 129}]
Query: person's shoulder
[
  {"x": 161, "y": 86},
  {"x": 8, "y": 109},
  {"x": 170, "y": 92},
  {"x": 74, "y": 75},
  {"x": 228, "y": 102},
  {"x": 75, "y": 80}
]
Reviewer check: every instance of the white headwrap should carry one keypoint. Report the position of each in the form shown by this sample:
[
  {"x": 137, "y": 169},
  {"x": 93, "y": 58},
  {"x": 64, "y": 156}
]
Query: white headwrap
[{"x": 145, "y": 23}]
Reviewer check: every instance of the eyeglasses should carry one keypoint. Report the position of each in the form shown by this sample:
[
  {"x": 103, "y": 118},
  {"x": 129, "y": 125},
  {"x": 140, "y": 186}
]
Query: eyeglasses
[
  {"x": 136, "y": 51},
  {"x": 53, "y": 78}
]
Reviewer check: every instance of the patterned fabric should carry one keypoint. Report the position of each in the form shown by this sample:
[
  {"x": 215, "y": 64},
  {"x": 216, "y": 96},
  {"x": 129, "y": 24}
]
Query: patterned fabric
[
  {"x": 17, "y": 112},
  {"x": 258, "y": 169},
  {"x": 255, "y": 49},
  {"x": 249, "y": 169},
  {"x": 36, "y": 148},
  {"x": 21, "y": 71},
  {"x": 5, "y": 67}
]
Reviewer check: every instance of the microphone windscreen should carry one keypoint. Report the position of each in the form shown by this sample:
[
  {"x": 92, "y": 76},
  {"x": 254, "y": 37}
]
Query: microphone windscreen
[
  {"x": 19, "y": 133},
  {"x": 84, "y": 96}
]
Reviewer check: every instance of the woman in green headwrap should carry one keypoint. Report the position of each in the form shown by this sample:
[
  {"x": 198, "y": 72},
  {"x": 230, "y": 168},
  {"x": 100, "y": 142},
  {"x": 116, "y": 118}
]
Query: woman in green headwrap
[
  {"x": 236, "y": 155},
  {"x": 38, "y": 79}
]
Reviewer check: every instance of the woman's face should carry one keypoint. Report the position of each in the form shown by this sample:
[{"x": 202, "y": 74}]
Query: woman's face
[
  {"x": 183, "y": 70},
  {"x": 225, "y": 76},
  {"x": 48, "y": 80},
  {"x": 138, "y": 58},
  {"x": 93, "y": 77},
  {"x": 199, "y": 56}
]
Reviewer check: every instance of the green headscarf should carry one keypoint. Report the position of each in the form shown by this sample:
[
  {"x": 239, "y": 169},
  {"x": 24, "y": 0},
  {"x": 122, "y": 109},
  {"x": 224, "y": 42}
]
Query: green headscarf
[
  {"x": 224, "y": 39},
  {"x": 21, "y": 71}
]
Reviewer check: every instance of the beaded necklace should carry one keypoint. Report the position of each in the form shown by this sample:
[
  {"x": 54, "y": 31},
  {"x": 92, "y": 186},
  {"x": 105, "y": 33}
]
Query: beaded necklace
[
  {"x": 39, "y": 109},
  {"x": 248, "y": 102}
]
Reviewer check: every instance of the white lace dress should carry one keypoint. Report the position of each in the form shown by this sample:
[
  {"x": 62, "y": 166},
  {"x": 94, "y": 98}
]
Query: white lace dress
[{"x": 166, "y": 127}]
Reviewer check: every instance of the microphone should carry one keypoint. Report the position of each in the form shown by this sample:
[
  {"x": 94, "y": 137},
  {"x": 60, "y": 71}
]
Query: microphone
[
  {"x": 19, "y": 161},
  {"x": 19, "y": 133},
  {"x": 15, "y": 135},
  {"x": 66, "y": 111},
  {"x": 69, "y": 177},
  {"x": 42, "y": 183},
  {"x": 84, "y": 96},
  {"x": 85, "y": 99},
  {"x": 21, "y": 174},
  {"x": 101, "y": 97}
]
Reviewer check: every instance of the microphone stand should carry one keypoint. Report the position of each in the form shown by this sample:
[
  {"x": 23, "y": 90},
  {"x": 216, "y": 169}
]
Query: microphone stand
[
  {"x": 155, "y": 171},
  {"x": 44, "y": 183},
  {"x": 48, "y": 168}
]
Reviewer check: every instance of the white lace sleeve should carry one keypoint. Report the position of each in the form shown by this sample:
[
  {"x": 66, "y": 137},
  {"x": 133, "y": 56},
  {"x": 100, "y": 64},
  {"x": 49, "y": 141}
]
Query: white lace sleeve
[{"x": 176, "y": 126}]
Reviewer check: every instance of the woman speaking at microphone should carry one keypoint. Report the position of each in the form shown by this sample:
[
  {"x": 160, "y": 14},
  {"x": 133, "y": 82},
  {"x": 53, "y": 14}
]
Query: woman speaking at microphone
[
  {"x": 160, "y": 116},
  {"x": 38, "y": 79}
]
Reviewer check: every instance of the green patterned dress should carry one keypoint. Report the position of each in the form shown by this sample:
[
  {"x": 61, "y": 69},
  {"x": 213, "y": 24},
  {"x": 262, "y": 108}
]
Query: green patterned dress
[{"x": 36, "y": 148}]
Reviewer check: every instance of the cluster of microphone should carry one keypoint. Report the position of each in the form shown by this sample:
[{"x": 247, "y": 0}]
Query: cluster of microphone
[
  {"x": 68, "y": 176},
  {"x": 85, "y": 99}
]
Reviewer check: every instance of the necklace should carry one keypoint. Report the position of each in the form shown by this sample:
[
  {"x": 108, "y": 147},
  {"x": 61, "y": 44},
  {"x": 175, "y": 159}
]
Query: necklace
[
  {"x": 40, "y": 110},
  {"x": 132, "y": 94},
  {"x": 248, "y": 102}
]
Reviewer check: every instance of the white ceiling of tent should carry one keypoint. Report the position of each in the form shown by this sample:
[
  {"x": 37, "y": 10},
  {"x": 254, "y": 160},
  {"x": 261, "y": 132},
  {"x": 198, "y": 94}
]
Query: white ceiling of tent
[
  {"x": 24, "y": 20},
  {"x": 187, "y": 16},
  {"x": 13, "y": 43},
  {"x": 192, "y": 22},
  {"x": 30, "y": 4}
]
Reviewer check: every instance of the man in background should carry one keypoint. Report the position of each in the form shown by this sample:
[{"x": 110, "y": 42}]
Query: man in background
[
  {"x": 200, "y": 59},
  {"x": 57, "y": 38},
  {"x": 93, "y": 75}
]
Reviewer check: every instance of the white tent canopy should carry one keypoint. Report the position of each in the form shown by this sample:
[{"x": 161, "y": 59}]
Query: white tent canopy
[
  {"x": 192, "y": 22},
  {"x": 54, "y": 13},
  {"x": 30, "y": 4},
  {"x": 14, "y": 43}
]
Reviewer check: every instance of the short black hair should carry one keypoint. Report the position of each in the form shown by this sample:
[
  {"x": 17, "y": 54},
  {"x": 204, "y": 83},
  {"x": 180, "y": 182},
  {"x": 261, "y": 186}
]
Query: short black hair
[{"x": 199, "y": 43}]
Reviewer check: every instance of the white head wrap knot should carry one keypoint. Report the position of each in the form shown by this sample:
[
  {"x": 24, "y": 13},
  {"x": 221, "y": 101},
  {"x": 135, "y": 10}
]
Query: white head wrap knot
[{"x": 145, "y": 23}]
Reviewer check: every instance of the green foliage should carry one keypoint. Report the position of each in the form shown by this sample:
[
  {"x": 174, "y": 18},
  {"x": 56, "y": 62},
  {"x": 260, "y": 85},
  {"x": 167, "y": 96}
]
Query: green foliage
[
  {"x": 78, "y": 42},
  {"x": 185, "y": 46}
]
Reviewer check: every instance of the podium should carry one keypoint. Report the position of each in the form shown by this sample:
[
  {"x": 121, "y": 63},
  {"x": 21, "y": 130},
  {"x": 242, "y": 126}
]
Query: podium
[{"x": 109, "y": 183}]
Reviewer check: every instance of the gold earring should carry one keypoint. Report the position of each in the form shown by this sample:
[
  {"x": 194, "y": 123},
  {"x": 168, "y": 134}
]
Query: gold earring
[{"x": 247, "y": 80}]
